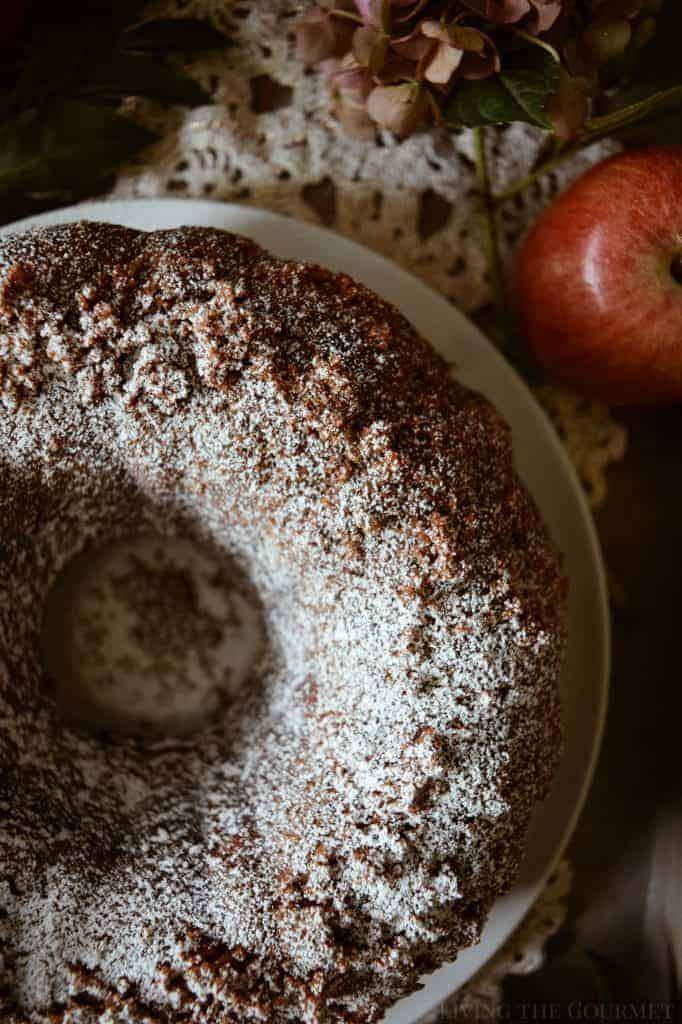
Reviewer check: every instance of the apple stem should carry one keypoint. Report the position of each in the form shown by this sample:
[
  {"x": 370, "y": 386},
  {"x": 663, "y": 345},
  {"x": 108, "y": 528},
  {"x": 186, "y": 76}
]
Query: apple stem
[
  {"x": 676, "y": 267},
  {"x": 489, "y": 223}
]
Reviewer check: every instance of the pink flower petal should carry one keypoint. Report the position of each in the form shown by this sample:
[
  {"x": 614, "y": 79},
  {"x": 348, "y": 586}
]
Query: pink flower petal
[
  {"x": 355, "y": 120},
  {"x": 505, "y": 12},
  {"x": 481, "y": 63},
  {"x": 319, "y": 35},
  {"x": 351, "y": 78},
  {"x": 400, "y": 108},
  {"x": 443, "y": 64},
  {"x": 544, "y": 15},
  {"x": 415, "y": 47}
]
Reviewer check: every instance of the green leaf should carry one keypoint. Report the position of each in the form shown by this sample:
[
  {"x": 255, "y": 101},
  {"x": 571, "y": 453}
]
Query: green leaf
[
  {"x": 71, "y": 148},
  {"x": 518, "y": 93},
  {"x": 93, "y": 38},
  {"x": 67, "y": 42},
  {"x": 127, "y": 74},
  {"x": 180, "y": 35}
]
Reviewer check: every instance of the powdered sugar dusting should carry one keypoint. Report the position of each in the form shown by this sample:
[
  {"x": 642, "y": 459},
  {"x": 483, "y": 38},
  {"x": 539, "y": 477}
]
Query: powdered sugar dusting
[{"x": 347, "y": 824}]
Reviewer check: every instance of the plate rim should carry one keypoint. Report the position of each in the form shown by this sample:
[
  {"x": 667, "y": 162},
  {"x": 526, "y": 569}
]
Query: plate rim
[{"x": 412, "y": 1008}]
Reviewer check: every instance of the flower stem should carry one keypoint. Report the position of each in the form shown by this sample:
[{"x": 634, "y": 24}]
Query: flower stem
[
  {"x": 489, "y": 224},
  {"x": 544, "y": 168},
  {"x": 542, "y": 43},
  {"x": 338, "y": 12},
  {"x": 596, "y": 128}
]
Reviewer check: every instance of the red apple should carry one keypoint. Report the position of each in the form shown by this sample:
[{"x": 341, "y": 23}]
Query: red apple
[{"x": 600, "y": 280}]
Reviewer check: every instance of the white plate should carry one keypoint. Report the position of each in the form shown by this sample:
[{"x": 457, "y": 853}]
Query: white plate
[{"x": 544, "y": 466}]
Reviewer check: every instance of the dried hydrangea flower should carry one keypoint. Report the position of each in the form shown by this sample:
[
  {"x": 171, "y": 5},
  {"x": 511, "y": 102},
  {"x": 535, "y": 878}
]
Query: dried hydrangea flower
[
  {"x": 543, "y": 15},
  {"x": 397, "y": 63},
  {"x": 400, "y": 108},
  {"x": 501, "y": 12},
  {"x": 321, "y": 34}
]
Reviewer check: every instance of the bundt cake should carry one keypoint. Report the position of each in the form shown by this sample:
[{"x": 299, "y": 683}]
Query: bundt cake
[{"x": 347, "y": 820}]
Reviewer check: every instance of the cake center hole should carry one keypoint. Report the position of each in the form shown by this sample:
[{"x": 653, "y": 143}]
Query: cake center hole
[{"x": 150, "y": 636}]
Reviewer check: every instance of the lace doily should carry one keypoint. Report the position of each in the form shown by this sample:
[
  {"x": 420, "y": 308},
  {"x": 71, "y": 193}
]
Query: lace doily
[{"x": 269, "y": 139}]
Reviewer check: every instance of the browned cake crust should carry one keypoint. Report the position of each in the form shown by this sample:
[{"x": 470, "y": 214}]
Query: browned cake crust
[{"x": 348, "y": 822}]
